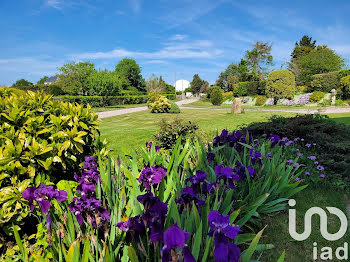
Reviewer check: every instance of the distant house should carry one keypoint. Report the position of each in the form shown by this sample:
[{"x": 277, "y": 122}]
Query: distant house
[{"x": 51, "y": 80}]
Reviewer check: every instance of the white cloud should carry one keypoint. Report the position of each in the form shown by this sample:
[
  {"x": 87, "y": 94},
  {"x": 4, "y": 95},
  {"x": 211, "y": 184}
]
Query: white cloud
[
  {"x": 57, "y": 4},
  {"x": 195, "y": 49},
  {"x": 178, "y": 37}
]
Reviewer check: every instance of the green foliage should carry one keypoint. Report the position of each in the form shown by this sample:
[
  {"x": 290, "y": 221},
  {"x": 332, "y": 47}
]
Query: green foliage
[
  {"x": 174, "y": 108},
  {"x": 104, "y": 83},
  {"x": 42, "y": 140},
  {"x": 196, "y": 84},
  {"x": 216, "y": 97},
  {"x": 160, "y": 105},
  {"x": 256, "y": 87},
  {"x": 317, "y": 96},
  {"x": 259, "y": 59},
  {"x": 260, "y": 100},
  {"x": 170, "y": 131},
  {"x": 101, "y": 101},
  {"x": 155, "y": 84},
  {"x": 212, "y": 88},
  {"x": 344, "y": 72},
  {"x": 74, "y": 77},
  {"x": 188, "y": 90},
  {"x": 6, "y": 91},
  {"x": 322, "y": 60},
  {"x": 303, "y": 47},
  {"x": 178, "y": 93},
  {"x": 345, "y": 83},
  {"x": 240, "y": 89},
  {"x": 331, "y": 139},
  {"x": 325, "y": 82},
  {"x": 280, "y": 84},
  {"x": 130, "y": 70},
  {"x": 339, "y": 102},
  {"x": 22, "y": 83},
  {"x": 235, "y": 73},
  {"x": 42, "y": 80}
]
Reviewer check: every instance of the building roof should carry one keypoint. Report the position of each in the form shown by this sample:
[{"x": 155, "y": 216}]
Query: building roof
[{"x": 51, "y": 79}]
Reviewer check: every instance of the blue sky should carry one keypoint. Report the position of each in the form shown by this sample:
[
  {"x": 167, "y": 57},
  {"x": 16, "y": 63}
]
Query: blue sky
[{"x": 203, "y": 37}]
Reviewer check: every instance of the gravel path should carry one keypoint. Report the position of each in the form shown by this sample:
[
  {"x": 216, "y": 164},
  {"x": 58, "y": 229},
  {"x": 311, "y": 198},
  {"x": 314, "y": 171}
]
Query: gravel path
[
  {"x": 138, "y": 109},
  {"x": 327, "y": 110}
]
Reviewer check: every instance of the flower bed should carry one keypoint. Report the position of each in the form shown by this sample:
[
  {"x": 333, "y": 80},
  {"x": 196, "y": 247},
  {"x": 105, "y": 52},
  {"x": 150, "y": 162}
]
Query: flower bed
[{"x": 198, "y": 203}]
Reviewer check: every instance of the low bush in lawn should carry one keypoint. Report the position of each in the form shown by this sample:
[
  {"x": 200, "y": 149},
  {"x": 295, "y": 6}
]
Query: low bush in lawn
[
  {"x": 42, "y": 141},
  {"x": 317, "y": 96},
  {"x": 158, "y": 104},
  {"x": 216, "y": 97},
  {"x": 174, "y": 108},
  {"x": 188, "y": 203},
  {"x": 260, "y": 100},
  {"x": 318, "y": 136}
]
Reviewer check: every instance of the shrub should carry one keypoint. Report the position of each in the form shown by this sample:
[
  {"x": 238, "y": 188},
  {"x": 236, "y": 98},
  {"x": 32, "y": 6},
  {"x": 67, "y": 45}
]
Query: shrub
[
  {"x": 344, "y": 72},
  {"x": 179, "y": 93},
  {"x": 316, "y": 96},
  {"x": 6, "y": 91},
  {"x": 216, "y": 97},
  {"x": 326, "y": 102},
  {"x": 330, "y": 142},
  {"x": 210, "y": 89},
  {"x": 345, "y": 82},
  {"x": 42, "y": 140},
  {"x": 169, "y": 132},
  {"x": 256, "y": 88},
  {"x": 188, "y": 90},
  {"x": 160, "y": 105},
  {"x": 152, "y": 97},
  {"x": 100, "y": 101},
  {"x": 174, "y": 108},
  {"x": 280, "y": 84},
  {"x": 325, "y": 82},
  {"x": 227, "y": 96},
  {"x": 260, "y": 100},
  {"x": 339, "y": 102},
  {"x": 302, "y": 89},
  {"x": 240, "y": 89},
  {"x": 289, "y": 102}
]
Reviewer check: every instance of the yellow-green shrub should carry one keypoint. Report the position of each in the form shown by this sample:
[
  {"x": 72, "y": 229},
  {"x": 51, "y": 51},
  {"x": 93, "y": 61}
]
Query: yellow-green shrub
[
  {"x": 301, "y": 89},
  {"x": 216, "y": 97},
  {"x": 317, "y": 96},
  {"x": 227, "y": 96},
  {"x": 160, "y": 105},
  {"x": 41, "y": 140},
  {"x": 280, "y": 84},
  {"x": 260, "y": 100}
]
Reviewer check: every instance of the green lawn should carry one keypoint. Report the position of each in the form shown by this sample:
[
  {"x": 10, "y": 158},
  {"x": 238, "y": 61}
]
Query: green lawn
[
  {"x": 116, "y": 107},
  {"x": 127, "y": 132},
  {"x": 277, "y": 231}
]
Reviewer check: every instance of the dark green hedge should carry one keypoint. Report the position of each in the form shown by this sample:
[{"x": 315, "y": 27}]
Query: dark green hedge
[
  {"x": 100, "y": 101},
  {"x": 326, "y": 82}
]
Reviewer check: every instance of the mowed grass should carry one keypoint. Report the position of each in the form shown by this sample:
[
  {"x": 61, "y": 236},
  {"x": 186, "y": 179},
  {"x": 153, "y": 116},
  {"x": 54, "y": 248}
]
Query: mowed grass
[
  {"x": 127, "y": 132},
  {"x": 277, "y": 232}
]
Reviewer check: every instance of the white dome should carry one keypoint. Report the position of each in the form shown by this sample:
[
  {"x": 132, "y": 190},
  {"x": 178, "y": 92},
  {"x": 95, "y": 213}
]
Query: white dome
[{"x": 181, "y": 85}]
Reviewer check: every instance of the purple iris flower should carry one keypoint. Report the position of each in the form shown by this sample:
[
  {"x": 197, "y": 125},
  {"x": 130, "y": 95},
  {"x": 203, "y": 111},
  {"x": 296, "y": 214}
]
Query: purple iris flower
[
  {"x": 187, "y": 197},
  {"x": 134, "y": 228},
  {"x": 196, "y": 180},
  {"x": 255, "y": 157},
  {"x": 223, "y": 234},
  {"x": 308, "y": 145},
  {"x": 151, "y": 175},
  {"x": 210, "y": 157},
  {"x": 274, "y": 139},
  {"x": 290, "y": 161},
  {"x": 307, "y": 173},
  {"x": 316, "y": 162},
  {"x": 43, "y": 196},
  {"x": 322, "y": 176},
  {"x": 227, "y": 174},
  {"x": 154, "y": 215},
  {"x": 299, "y": 154},
  {"x": 149, "y": 146},
  {"x": 296, "y": 165},
  {"x": 240, "y": 170},
  {"x": 175, "y": 237},
  {"x": 313, "y": 158},
  {"x": 269, "y": 155}
]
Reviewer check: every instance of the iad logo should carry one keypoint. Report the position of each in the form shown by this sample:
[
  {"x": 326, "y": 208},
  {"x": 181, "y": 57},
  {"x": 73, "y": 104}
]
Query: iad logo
[{"x": 326, "y": 251}]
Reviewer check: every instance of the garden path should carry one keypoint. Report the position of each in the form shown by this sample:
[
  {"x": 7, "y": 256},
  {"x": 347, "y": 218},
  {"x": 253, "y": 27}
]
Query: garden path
[
  {"x": 138, "y": 109},
  {"x": 326, "y": 110}
]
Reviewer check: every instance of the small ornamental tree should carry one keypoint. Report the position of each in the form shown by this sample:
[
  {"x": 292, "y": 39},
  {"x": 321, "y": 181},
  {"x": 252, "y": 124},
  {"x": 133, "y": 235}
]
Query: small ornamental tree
[
  {"x": 280, "y": 84},
  {"x": 216, "y": 97}
]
